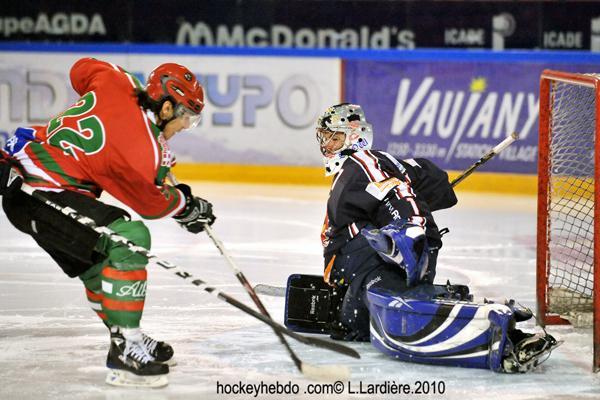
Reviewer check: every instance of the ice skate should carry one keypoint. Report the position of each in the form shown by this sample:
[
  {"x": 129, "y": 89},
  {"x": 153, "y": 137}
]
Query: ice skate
[
  {"x": 130, "y": 364},
  {"x": 529, "y": 352},
  {"x": 161, "y": 352}
]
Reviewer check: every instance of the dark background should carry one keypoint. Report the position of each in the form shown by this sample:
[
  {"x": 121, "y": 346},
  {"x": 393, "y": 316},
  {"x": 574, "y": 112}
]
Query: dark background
[{"x": 158, "y": 21}]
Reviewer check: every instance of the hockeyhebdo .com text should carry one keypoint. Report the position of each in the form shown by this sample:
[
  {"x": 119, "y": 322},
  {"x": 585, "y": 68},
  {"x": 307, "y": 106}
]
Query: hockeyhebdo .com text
[{"x": 388, "y": 387}]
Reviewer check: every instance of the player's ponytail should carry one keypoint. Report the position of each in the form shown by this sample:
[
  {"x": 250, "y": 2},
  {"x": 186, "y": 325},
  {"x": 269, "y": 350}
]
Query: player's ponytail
[{"x": 146, "y": 102}]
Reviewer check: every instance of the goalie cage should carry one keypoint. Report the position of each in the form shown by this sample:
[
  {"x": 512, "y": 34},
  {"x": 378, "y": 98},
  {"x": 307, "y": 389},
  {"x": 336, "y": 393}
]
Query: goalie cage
[{"x": 568, "y": 225}]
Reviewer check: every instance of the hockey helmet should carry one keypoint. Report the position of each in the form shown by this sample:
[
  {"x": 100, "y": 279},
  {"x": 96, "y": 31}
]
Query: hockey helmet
[
  {"x": 179, "y": 84},
  {"x": 349, "y": 120}
]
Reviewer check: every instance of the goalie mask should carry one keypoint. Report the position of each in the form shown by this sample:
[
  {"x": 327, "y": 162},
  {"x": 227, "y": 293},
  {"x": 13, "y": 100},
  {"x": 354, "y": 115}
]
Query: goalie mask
[{"x": 342, "y": 130}]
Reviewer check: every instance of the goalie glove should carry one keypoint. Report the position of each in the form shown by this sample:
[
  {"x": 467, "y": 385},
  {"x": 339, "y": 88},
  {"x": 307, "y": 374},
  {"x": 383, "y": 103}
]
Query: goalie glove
[
  {"x": 403, "y": 244},
  {"x": 197, "y": 212}
]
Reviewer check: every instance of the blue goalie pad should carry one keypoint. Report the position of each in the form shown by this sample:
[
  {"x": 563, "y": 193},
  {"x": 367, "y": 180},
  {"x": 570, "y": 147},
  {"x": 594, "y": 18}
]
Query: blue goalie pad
[{"x": 439, "y": 331}]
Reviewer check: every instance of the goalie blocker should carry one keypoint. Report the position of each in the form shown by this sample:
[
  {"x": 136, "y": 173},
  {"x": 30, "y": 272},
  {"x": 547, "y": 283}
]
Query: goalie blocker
[{"x": 432, "y": 324}]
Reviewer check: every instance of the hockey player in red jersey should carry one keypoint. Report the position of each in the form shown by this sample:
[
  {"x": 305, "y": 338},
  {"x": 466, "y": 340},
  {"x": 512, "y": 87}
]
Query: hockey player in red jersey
[{"x": 107, "y": 141}]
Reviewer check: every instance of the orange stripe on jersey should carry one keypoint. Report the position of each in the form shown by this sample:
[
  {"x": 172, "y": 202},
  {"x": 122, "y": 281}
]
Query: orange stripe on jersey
[
  {"x": 94, "y": 296},
  {"x": 117, "y": 305},
  {"x": 327, "y": 272},
  {"x": 137, "y": 275}
]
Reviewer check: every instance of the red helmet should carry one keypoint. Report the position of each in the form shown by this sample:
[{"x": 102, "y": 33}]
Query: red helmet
[{"x": 178, "y": 82}]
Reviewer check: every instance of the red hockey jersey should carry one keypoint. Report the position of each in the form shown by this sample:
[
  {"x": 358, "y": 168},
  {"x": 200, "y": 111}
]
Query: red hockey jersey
[{"x": 105, "y": 141}]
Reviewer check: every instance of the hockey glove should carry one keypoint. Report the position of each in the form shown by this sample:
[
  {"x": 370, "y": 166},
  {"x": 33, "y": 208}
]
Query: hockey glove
[
  {"x": 10, "y": 177},
  {"x": 403, "y": 244},
  {"x": 197, "y": 212}
]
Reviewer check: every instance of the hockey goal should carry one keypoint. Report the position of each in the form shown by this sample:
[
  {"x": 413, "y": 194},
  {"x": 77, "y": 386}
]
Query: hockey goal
[{"x": 568, "y": 227}]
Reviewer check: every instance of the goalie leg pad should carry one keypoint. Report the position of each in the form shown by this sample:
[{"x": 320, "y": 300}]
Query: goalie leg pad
[
  {"x": 312, "y": 306},
  {"x": 442, "y": 332}
]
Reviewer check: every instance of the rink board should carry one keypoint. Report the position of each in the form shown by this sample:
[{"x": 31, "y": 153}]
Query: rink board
[{"x": 262, "y": 104}]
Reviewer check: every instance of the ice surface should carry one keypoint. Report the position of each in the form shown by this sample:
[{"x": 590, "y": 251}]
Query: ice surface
[{"x": 52, "y": 346}]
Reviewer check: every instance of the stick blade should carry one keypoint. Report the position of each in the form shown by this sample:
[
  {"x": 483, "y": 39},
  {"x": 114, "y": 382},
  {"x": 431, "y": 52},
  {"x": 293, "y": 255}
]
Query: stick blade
[
  {"x": 326, "y": 373},
  {"x": 269, "y": 290}
]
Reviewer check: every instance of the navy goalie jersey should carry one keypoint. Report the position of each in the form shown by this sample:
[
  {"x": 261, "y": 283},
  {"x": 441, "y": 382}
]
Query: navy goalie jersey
[{"x": 373, "y": 189}]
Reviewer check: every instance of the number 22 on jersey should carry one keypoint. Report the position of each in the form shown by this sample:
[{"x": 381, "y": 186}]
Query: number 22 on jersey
[{"x": 74, "y": 133}]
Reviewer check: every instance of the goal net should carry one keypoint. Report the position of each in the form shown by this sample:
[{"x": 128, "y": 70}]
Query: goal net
[{"x": 568, "y": 218}]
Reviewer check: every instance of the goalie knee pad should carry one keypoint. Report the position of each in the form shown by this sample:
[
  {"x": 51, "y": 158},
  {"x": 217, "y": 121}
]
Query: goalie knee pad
[{"x": 403, "y": 244}]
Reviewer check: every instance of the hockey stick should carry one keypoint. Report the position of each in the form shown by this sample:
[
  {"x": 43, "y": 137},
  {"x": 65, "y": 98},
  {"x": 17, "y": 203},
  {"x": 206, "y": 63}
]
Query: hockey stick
[
  {"x": 323, "y": 372},
  {"x": 311, "y": 341},
  {"x": 330, "y": 372},
  {"x": 486, "y": 157}
]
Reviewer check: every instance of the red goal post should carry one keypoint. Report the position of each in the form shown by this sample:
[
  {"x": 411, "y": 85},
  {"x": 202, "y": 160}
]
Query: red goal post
[{"x": 568, "y": 221}]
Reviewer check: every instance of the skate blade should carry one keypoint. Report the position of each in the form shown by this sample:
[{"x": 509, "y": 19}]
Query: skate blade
[
  {"x": 548, "y": 349},
  {"x": 536, "y": 360},
  {"x": 171, "y": 362},
  {"x": 117, "y": 377}
]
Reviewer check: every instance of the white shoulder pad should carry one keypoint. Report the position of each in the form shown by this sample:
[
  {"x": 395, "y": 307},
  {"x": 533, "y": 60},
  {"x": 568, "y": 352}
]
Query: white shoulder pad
[{"x": 380, "y": 189}]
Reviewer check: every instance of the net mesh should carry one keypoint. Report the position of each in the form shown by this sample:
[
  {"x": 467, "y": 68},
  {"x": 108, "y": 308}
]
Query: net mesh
[{"x": 571, "y": 205}]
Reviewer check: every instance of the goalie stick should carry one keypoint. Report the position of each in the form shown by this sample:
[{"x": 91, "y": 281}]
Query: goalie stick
[
  {"x": 486, "y": 157},
  {"x": 311, "y": 341},
  {"x": 329, "y": 372}
]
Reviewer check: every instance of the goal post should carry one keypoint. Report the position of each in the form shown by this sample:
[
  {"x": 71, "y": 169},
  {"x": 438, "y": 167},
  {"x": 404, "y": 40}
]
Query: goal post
[{"x": 568, "y": 224}]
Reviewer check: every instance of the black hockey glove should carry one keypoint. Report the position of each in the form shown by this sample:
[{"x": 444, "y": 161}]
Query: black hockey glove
[
  {"x": 10, "y": 178},
  {"x": 196, "y": 213}
]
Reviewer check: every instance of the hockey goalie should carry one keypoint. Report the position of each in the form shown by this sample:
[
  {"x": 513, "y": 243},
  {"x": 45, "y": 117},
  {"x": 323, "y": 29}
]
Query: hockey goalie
[{"x": 380, "y": 245}]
